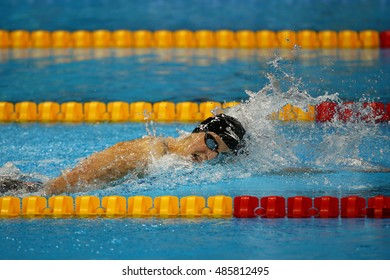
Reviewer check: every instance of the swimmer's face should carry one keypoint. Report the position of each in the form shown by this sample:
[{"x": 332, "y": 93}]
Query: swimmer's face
[{"x": 206, "y": 146}]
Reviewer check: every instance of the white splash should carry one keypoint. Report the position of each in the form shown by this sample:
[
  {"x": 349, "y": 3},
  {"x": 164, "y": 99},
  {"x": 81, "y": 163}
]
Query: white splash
[
  {"x": 271, "y": 145},
  {"x": 270, "y": 150}
]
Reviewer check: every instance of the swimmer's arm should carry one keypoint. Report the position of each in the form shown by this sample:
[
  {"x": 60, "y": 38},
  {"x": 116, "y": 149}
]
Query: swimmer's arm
[{"x": 108, "y": 165}]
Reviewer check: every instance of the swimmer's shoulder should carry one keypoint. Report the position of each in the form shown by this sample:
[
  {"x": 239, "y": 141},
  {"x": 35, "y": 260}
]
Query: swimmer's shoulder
[
  {"x": 158, "y": 145},
  {"x": 155, "y": 145}
]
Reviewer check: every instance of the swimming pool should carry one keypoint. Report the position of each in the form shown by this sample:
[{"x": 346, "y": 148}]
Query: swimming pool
[
  {"x": 339, "y": 153},
  {"x": 40, "y": 151}
]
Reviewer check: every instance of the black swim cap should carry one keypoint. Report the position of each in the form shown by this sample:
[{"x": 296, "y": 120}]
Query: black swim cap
[{"x": 228, "y": 128}]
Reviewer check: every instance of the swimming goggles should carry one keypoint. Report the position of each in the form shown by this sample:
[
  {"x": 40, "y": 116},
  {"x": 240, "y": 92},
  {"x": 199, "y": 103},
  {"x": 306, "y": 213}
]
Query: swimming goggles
[{"x": 210, "y": 142}]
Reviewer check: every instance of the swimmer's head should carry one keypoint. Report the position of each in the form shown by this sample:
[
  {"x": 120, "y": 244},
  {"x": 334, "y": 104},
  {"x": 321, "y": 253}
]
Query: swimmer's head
[{"x": 229, "y": 129}]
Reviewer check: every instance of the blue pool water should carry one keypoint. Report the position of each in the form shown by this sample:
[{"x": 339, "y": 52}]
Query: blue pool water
[
  {"x": 186, "y": 74},
  {"x": 195, "y": 14},
  {"x": 339, "y": 154}
]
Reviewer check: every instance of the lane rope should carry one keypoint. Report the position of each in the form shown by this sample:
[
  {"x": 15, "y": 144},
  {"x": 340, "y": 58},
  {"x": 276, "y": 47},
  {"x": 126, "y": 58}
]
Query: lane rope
[
  {"x": 119, "y": 111},
  {"x": 308, "y": 39},
  {"x": 219, "y": 206}
]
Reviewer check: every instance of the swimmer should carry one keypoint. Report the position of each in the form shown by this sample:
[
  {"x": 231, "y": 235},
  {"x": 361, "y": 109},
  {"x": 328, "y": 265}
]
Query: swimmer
[{"x": 215, "y": 135}]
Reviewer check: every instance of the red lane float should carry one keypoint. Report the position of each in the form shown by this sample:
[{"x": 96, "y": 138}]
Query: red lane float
[
  {"x": 385, "y": 39},
  {"x": 327, "y": 206},
  {"x": 386, "y": 117},
  {"x": 375, "y": 112},
  {"x": 245, "y": 206},
  {"x": 378, "y": 207},
  {"x": 300, "y": 207},
  {"x": 325, "y": 111},
  {"x": 347, "y": 112},
  {"x": 353, "y": 207},
  {"x": 272, "y": 207}
]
